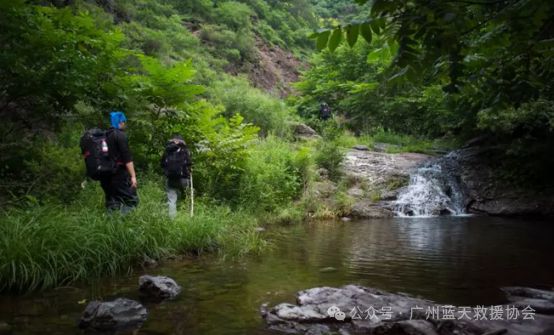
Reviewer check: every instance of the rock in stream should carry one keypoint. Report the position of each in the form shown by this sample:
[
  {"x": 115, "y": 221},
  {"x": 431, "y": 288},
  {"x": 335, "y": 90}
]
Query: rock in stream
[
  {"x": 363, "y": 310},
  {"x": 120, "y": 314},
  {"x": 158, "y": 287}
]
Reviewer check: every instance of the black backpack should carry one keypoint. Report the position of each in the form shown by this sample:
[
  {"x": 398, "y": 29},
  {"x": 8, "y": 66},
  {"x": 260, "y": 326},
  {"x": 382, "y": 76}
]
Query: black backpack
[
  {"x": 325, "y": 112},
  {"x": 95, "y": 150},
  {"x": 176, "y": 160}
]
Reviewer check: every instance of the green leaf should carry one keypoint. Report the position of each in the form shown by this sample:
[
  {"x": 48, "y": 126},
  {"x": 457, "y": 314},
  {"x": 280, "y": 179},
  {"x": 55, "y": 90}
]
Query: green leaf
[
  {"x": 352, "y": 34},
  {"x": 322, "y": 39},
  {"x": 365, "y": 30},
  {"x": 335, "y": 39}
]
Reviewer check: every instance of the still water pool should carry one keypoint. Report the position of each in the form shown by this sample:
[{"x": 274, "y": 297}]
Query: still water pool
[{"x": 452, "y": 260}]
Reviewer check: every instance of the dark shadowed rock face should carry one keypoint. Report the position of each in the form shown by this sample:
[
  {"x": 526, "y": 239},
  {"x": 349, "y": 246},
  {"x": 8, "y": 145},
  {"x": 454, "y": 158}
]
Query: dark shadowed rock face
[
  {"x": 158, "y": 287},
  {"x": 489, "y": 193},
  {"x": 120, "y": 314},
  {"x": 362, "y": 310}
]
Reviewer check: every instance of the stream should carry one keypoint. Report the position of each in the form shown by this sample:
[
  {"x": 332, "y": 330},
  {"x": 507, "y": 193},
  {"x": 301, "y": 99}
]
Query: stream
[{"x": 452, "y": 260}]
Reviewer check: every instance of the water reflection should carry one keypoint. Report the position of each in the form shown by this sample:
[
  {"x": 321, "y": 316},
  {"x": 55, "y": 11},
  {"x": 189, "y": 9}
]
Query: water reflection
[{"x": 451, "y": 260}]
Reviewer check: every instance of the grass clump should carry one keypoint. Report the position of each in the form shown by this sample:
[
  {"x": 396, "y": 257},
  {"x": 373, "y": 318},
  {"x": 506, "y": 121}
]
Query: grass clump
[{"x": 51, "y": 245}]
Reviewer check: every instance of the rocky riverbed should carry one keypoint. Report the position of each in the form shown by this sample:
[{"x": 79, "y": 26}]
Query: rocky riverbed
[{"x": 363, "y": 310}]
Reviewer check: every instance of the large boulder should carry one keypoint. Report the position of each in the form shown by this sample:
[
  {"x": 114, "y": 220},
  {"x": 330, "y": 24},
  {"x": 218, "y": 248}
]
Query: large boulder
[
  {"x": 120, "y": 314},
  {"x": 158, "y": 287},
  {"x": 363, "y": 310}
]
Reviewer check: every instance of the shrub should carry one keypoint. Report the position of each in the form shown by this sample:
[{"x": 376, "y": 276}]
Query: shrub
[
  {"x": 273, "y": 176},
  {"x": 267, "y": 112}
]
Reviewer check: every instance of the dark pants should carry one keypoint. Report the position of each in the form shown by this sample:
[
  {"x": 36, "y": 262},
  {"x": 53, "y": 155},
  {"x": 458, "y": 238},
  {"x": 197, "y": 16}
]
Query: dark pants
[{"x": 119, "y": 193}]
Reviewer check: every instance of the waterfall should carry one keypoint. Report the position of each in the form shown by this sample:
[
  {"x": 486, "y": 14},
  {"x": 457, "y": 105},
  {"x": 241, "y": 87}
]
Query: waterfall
[{"x": 434, "y": 189}]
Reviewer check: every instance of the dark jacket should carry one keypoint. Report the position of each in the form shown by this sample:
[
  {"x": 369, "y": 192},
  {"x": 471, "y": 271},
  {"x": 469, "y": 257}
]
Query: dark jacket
[
  {"x": 119, "y": 146},
  {"x": 186, "y": 164}
]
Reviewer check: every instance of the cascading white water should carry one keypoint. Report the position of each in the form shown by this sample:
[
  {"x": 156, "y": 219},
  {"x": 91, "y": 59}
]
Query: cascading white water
[{"x": 433, "y": 190}]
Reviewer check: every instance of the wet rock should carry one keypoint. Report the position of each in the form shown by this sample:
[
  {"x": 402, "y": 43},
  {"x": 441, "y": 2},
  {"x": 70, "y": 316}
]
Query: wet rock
[
  {"x": 539, "y": 305},
  {"x": 346, "y": 310},
  {"x": 345, "y": 219},
  {"x": 366, "y": 209},
  {"x": 412, "y": 327},
  {"x": 318, "y": 330},
  {"x": 541, "y": 301},
  {"x": 434, "y": 190},
  {"x": 158, "y": 287},
  {"x": 120, "y": 314},
  {"x": 527, "y": 292},
  {"x": 328, "y": 269},
  {"x": 259, "y": 229},
  {"x": 292, "y": 312}
]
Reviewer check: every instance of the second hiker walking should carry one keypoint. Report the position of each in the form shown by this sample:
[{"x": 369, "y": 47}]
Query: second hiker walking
[{"x": 176, "y": 164}]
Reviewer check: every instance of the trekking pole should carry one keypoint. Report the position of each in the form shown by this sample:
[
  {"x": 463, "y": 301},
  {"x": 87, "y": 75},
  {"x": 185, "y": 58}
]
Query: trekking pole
[{"x": 191, "y": 196}]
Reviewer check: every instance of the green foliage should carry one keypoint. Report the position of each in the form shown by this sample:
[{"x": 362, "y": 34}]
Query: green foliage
[
  {"x": 51, "y": 59},
  {"x": 333, "y": 12},
  {"x": 492, "y": 61},
  {"x": 274, "y": 175},
  {"x": 63, "y": 67},
  {"x": 222, "y": 155},
  {"x": 269, "y": 113},
  {"x": 234, "y": 15},
  {"x": 329, "y": 153},
  {"x": 96, "y": 75},
  {"x": 47, "y": 246}
]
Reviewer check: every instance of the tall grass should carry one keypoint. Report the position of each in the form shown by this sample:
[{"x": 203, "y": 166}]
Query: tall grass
[{"x": 49, "y": 245}]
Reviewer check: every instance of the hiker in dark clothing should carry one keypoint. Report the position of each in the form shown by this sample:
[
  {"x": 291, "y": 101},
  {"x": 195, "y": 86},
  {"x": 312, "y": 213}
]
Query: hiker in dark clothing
[
  {"x": 324, "y": 111},
  {"x": 121, "y": 187},
  {"x": 176, "y": 164}
]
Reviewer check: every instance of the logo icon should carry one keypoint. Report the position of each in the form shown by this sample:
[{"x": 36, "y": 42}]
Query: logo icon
[{"x": 336, "y": 313}]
